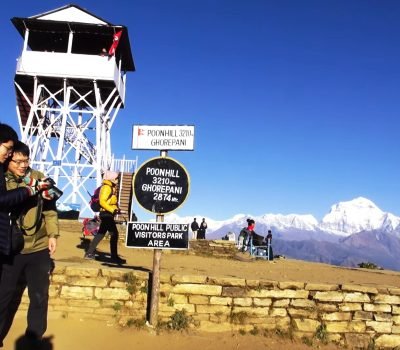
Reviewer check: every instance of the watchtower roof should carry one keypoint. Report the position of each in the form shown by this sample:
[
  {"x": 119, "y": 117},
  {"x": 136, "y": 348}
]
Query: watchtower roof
[{"x": 50, "y": 30}]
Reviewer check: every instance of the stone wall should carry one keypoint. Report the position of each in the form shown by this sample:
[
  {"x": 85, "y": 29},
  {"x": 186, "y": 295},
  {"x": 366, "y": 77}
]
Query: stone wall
[{"x": 352, "y": 315}]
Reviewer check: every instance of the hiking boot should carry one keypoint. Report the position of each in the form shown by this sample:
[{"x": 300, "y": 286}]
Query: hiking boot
[
  {"x": 118, "y": 260},
  {"x": 89, "y": 256}
]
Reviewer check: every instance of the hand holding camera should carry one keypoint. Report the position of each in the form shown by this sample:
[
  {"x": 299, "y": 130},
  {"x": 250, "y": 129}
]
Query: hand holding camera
[{"x": 46, "y": 187}]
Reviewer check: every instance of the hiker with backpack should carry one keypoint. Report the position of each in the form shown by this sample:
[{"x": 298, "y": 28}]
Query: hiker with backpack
[{"x": 108, "y": 202}]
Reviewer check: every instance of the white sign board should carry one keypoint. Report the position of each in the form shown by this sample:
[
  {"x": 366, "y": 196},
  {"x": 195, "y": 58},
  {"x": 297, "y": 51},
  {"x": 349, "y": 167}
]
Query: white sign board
[{"x": 163, "y": 137}]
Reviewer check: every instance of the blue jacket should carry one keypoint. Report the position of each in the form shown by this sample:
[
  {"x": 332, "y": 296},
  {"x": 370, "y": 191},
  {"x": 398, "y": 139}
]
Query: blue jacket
[{"x": 8, "y": 199}]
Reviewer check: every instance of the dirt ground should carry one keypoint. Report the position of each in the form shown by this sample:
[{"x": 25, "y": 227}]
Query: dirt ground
[{"x": 63, "y": 334}]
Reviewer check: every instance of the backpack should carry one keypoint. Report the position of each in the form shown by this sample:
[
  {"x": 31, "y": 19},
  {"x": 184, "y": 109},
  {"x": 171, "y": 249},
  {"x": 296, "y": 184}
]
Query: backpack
[{"x": 95, "y": 201}]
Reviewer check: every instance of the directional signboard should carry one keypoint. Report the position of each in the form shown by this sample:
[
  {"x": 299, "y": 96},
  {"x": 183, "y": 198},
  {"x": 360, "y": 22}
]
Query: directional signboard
[
  {"x": 163, "y": 137},
  {"x": 157, "y": 235},
  {"x": 161, "y": 185}
]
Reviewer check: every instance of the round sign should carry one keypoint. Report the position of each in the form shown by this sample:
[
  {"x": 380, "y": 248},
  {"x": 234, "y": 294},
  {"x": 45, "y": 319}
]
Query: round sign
[{"x": 161, "y": 185}]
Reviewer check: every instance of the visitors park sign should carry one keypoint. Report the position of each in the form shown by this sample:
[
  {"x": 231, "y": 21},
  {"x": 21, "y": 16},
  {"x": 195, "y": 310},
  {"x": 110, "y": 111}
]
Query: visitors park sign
[
  {"x": 161, "y": 185},
  {"x": 163, "y": 137},
  {"x": 157, "y": 235}
]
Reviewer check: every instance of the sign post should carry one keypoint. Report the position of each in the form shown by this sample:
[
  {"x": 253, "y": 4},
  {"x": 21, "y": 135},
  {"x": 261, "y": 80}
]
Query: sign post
[
  {"x": 160, "y": 186},
  {"x": 155, "y": 282}
]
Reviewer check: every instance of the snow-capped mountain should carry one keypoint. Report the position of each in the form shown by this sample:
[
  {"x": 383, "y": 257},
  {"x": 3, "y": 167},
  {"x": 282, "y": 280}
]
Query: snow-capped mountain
[
  {"x": 352, "y": 232},
  {"x": 359, "y": 214},
  {"x": 344, "y": 219}
]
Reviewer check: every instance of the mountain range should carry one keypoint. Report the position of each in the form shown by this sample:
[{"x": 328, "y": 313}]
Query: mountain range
[{"x": 352, "y": 232}]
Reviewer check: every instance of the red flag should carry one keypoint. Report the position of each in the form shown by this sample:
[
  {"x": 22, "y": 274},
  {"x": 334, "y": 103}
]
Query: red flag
[{"x": 115, "y": 43}]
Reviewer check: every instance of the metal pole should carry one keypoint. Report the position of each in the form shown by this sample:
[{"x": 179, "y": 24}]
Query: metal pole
[{"x": 155, "y": 288}]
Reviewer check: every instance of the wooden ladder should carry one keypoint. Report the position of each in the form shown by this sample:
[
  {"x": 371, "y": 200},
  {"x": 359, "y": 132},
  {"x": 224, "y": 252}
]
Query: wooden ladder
[{"x": 124, "y": 196}]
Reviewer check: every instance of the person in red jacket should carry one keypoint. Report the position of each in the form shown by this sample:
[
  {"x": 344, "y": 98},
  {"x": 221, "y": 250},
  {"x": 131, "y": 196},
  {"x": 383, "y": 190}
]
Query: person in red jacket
[{"x": 108, "y": 209}]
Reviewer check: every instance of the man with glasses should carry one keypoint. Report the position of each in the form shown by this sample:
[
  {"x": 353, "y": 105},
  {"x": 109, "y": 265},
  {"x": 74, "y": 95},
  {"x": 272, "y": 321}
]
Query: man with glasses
[
  {"x": 8, "y": 137},
  {"x": 37, "y": 219}
]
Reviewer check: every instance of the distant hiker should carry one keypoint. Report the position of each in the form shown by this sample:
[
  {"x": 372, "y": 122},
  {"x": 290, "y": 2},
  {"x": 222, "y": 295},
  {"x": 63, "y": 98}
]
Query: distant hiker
[
  {"x": 247, "y": 234},
  {"x": 268, "y": 243},
  {"x": 202, "y": 230},
  {"x": 109, "y": 208},
  {"x": 194, "y": 227}
]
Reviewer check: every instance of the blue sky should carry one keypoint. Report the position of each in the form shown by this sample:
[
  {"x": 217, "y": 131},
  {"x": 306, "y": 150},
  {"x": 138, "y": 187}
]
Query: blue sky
[{"x": 295, "y": 103}]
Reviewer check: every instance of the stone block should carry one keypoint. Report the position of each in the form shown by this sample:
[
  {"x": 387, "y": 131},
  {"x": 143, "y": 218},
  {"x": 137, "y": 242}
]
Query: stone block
[
  {"x": 252, "y": 283},
  {"x": 58, "y": 279},
  {"x": 213, "y": 309},
  {"x": 380, "y": 327},
  {"x": 363, "y": 315},
  {"x": 262, "y": 302},
  {"x": 283, "y": 323},
  {"x": 81, "y": 271},
  {"x": 322, "y": 287},
  {"x": 350, "y": 307},
  {"x": 358, "y": 288},
  {"x": 357, "y": 326},
  {"x": 227, "y": 301},
  {"x": 303, "y": 303},
  {"x": 329, "y": 296},
  {"x": 305, "y": 313},
  {"x": 114, "y": 274},
  {"x": 356, "y": 297},
  {"x": 387, "y": 299},
  {"x": 218, "y": 318},
  {"x": 387, "y": 341},
  {"x": 326, "y": 307},
  {"x": 337, "y": 316},
  {"x": 395, "y": 310},
  {"x": 395, "y": 329},
  {"x": 268, "y": 284},
  {"x": 377, "y": 308},
  {"x": 394, "y": 291},
  {"x": 190, "y": 308},
  {"x": 112, "y": 293},
  {"x": 175, "y": 279},
  {"x": 54, "y": 291},
  {"x": 243, "y": 301},
  {"x": 190, "y": 288},
  {"x": 383, "y": 317},
  {"x": 233, "y": 292},
  {"x": 337, "y": 326},
  {"x": 178, "y": 298},
  {"x": 83, "y": 293},
  {"x": 357, "y": 341},
  {"x": 396, "y": 319},
  {"x": 199, "y": 299},
  {"x": 227, "y": 281},
  {"x": 291, "y": 285},
  {"x": 281, "y": 303},
  {"x": 305, "y": 325},
  {"x": 58, "y": 270},
  {"x": 279, "y": 294},
  {"x": 88, "y": 282},
  {"x": 278, "y": 312},
  {"x": 117, "y": 284},
  {"x": 251, "y": 311}
]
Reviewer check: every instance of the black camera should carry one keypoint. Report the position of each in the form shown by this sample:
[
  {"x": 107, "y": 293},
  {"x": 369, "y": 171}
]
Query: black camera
[{"x": 52, "y": 185}]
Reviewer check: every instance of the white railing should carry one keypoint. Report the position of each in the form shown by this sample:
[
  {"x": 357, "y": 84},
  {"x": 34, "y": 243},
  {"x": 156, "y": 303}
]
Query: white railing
[{"x": 124, "y": 165}]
